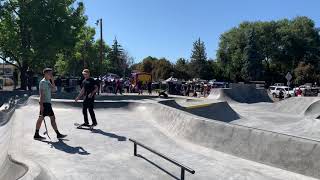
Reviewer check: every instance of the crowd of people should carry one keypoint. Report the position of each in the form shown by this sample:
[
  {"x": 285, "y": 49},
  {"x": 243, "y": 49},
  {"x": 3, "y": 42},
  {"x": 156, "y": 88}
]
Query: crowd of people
[
  {"x": 119, "y": 86},
  {"x": 116, "y": 85}
]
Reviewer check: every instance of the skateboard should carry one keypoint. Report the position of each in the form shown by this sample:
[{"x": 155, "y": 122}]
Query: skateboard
[{"x": 79, "y": 126}]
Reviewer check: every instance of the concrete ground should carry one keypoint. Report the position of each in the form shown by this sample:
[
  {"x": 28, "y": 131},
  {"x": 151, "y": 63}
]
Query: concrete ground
[{"x": 106, "y": 153}]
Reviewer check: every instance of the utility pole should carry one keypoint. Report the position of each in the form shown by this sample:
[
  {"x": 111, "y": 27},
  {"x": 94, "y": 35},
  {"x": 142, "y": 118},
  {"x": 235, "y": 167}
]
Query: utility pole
[
  {"x": 99, "y": 22},
  {"x": 101, "y": 52},
  {"x": 101, "y": 47}
]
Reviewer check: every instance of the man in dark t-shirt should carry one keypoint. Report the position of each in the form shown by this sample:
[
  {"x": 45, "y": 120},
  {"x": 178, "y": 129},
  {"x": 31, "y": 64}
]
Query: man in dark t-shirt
[{"x": 88, "y": 91}]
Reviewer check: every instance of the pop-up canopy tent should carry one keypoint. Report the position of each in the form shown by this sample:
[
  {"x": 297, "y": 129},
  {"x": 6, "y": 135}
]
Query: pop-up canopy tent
[
  {"x": 110, "y": 77},
  {"x": 172, "y": 80}
]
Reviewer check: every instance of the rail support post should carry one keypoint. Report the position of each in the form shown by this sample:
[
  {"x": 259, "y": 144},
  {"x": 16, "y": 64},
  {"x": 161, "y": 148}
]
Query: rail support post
[
  {"x": 134, "y": 149},
  {"x": 182, "y": 174}
]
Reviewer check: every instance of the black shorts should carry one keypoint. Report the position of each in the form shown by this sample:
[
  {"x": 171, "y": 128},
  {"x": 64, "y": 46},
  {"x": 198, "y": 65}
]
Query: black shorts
[{"x": 47, "y": 110}]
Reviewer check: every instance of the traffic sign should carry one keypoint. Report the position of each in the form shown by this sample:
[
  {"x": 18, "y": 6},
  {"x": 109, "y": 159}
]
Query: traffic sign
[{"x": 288, "y": 76}]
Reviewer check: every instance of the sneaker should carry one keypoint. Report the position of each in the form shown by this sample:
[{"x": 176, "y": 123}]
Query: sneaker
[
  {"x": 61, "y": 136},
  {"x": 38, "y": 137},
  {"x": 94, "y": 124},
  {"x": 85, "y": 125}
]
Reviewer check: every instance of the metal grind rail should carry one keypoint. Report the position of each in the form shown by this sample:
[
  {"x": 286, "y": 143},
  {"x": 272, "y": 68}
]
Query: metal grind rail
[{"x": 183, "y": 167}]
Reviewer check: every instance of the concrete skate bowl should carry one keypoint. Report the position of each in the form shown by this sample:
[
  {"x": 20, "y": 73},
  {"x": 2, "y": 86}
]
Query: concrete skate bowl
[
  {"x": 280, "y": 150},
  {"x": 220, "y": 111},
  {"x": 297, "y": 105},
  {"x": 12, "y": 164},
  {"x": 240, "y": 93},
  {"x": 284, "y": 151},
  {"x": 10, "y": 169}
]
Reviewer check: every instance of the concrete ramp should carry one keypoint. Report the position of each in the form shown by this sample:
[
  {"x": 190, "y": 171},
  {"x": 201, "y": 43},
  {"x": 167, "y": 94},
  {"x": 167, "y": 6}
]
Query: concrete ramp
[
  {"x": 220, "y": 111},
  {"x": 280, "y": 150},
  {"x": 240, "y": 93},
  {"x": 295, "y": 105}
]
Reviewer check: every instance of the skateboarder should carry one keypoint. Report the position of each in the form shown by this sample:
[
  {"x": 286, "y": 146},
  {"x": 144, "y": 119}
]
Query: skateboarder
[
  {"x": 88, "y": 91},
  {"x": 46, "y": 85}
]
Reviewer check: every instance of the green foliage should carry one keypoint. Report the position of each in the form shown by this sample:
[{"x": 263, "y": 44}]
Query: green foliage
[
  {"x": 181, "y": 69},
  {"x": 272, "y": 49},
  {"x": 117, "y": 59},
  {"x": 198, "y": 62},
  {"x": 33, "y": 33},
  {"x": 252, "y": 63},
  {"x": 160, "y": 69},
  {"x": 85, "y": 54},
  {"x": 305, "y": 73}
]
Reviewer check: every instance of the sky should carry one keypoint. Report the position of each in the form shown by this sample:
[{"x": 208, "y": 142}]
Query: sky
[{"x": 168, "y": 28}]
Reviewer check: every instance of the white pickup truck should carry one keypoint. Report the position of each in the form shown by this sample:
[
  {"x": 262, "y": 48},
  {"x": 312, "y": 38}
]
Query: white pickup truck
[{"x": 288, "y": 92}]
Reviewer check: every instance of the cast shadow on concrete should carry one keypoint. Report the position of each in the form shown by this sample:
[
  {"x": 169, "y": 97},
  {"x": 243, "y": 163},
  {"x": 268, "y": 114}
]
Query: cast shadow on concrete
[
  {"x": 157, "y": 166},
  {"x": 62, "y": 146},
  {"x": 111, "y": 135}
]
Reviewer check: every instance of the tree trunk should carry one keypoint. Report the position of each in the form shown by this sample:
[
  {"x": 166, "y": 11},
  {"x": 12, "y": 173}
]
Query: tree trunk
[{"x": 23, "y": 78}]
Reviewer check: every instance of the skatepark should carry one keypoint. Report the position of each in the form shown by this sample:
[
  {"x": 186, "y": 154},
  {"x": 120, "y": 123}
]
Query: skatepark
[{"x": 236, "y": 133}]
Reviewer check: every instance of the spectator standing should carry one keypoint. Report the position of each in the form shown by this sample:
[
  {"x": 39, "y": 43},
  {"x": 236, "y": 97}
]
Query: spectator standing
[
  {"x": 59, "y": 84},
  {"x": 118, "y": 87},
  {"x": 149, "y": 87},
  {"x": 299, "y": 92}
]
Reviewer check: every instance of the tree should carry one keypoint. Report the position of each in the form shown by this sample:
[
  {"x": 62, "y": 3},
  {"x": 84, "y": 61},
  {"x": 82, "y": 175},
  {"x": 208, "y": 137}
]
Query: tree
[
  {"x": 198, "y": 61},
  {"x": 181, "y": 69},
  {"x": 117, "y": 58},
  {"x": 280, "y": 45},
  {"x": 252, "y": 64},
  {"x": 128, "y": 62},
  {"x": 85, "y": 54},
  {"x": 305, "y": 73},
  {"x": 33, "y": 33},
  {"x": 147, "y": 65},
  {"x": 217, "y": 70},
  {"x": 160, "y": 69}
]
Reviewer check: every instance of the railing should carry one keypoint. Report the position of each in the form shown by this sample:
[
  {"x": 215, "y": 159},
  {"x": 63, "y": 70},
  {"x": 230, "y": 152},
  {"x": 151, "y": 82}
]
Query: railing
[{"x": 183, "y": 167}]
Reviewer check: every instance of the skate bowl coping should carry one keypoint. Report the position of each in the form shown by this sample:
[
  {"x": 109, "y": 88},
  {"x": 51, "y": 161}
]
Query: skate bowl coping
[
  {"x": 70, "y": 103},
  {"x": 105, "y": 97}
]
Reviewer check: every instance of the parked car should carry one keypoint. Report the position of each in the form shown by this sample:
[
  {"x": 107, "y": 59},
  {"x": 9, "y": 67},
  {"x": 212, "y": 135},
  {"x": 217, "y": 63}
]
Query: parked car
[
  {"x": 275, "y": 90},
  {"x": 308, "y": 90}
]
